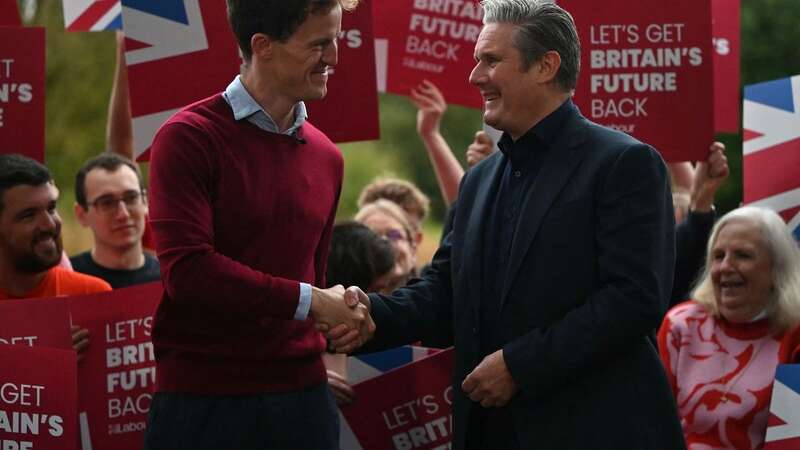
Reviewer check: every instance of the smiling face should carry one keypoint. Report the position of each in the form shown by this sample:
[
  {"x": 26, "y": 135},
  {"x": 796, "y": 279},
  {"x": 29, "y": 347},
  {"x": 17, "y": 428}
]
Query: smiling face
[
  {"x": 301, "y": 63},
  {"x": 512, "y": 94},
  {"x": 30, "y": 228},
  {"x": 121, "y": 227},
  {"x": 741, "y": 271}
]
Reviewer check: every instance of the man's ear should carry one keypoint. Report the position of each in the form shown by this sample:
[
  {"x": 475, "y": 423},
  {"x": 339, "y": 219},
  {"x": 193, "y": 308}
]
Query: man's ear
[
  {"x": 262, "y": 46},
  {"x": 80, "y": 214},
  {"x": 547, "y": 66}
]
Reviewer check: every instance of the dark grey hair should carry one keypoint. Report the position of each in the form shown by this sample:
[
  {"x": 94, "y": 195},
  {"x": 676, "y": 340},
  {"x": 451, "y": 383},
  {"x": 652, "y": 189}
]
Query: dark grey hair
[{"x": 541, "y": 27}]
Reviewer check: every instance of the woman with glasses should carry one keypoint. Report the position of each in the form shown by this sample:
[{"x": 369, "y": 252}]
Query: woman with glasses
[{"x": 388, "y": 220}]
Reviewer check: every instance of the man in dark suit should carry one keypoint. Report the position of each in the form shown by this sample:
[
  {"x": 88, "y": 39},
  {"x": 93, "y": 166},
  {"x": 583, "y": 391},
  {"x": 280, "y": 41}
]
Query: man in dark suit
[{"x": 559, "y": 265}]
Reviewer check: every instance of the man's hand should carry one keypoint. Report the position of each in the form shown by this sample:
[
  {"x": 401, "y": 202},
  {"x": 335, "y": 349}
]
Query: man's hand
[
  {"x": 343, "y": 339},
  {"x": 328, "y": 307},
  {"x": 80, "y": 340},
  {"x": 481, "y": 148},
  {"x": 430, "y": 108},
  {"x": 340, "y": 389},
  {"x": 709, "y": 176},
  {"x": 490, "y": 383}
]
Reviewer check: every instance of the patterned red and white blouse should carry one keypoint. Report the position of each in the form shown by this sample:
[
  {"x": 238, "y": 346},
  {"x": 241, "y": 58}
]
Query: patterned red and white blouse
[{"x": 721, "y": 375}]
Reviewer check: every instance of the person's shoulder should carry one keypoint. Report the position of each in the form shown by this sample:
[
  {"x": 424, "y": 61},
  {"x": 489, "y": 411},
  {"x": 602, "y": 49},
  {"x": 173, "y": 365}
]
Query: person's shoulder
[
  {"x": 313, "y": 135},
  {"x": 483, "y": 170},
  {"x": 75, "y": 283},
  {"x": 211, "y": 114},
  {"x": 609, "y": 139},
  {"x": 320, "y": 143},
  {"x": 81, "y": 262},
  {"x": 210, "y": 108}
]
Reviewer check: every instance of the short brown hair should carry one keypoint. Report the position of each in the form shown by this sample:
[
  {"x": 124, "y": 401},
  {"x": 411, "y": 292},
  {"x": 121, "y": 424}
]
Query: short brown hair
[
  {"x": 404, "y": 193},
  {"x": 278, "y": 19},
  {"x": 110, "y": 162}
]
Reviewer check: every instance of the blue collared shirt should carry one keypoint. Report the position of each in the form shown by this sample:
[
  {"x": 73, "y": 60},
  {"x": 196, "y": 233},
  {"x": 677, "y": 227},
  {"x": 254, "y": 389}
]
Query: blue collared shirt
[{"x": 244, "y": 106}]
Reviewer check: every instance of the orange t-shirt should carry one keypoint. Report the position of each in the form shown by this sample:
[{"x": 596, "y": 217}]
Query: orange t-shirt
[{"x": 60, "y": 281}]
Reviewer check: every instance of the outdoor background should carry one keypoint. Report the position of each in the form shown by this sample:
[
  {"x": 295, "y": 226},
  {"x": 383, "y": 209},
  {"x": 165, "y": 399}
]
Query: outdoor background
[{"x": 80, "y": 68}]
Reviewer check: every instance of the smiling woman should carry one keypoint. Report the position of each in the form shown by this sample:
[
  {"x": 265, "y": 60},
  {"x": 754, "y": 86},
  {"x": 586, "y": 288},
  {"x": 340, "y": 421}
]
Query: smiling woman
[{"x": 721, "y": 350}]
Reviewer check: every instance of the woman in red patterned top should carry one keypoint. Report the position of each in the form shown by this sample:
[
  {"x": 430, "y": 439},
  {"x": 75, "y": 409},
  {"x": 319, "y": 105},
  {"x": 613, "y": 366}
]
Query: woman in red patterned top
[{"x": 721, "y": 349}]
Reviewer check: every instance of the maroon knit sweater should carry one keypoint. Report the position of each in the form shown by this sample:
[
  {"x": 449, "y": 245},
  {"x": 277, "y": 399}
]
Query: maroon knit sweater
[{"x": 240, "y": 216}]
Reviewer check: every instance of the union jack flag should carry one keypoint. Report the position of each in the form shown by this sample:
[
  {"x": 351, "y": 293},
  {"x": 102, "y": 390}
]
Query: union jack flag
[
  {"x": 772, "y": 148},
  {"x": 92, "y": 15},
  {"x": 783, "y": 427},
  {"x": 364, "y": 367},
  {"x": 178, "y": 52}
]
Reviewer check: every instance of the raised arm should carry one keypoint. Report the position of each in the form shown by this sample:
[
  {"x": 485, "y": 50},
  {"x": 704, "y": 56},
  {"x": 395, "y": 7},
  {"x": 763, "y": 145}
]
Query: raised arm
[
  {"x": 119, "y": 128},
  {"x": 430, "y": 108}
]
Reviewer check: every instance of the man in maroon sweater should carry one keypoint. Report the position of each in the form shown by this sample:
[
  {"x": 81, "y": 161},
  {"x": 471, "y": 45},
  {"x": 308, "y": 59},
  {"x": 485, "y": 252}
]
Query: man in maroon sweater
[{"x": 243, "y": 198}]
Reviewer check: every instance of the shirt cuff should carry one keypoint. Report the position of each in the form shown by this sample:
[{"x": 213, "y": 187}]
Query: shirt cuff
[{"x": 304, "y": 305}]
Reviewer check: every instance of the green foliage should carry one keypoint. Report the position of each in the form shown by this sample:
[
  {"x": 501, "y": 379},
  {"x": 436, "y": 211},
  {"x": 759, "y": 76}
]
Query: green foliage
[
  {"x": 400, "y": 152},
  {"x": 80, "y": 67}
]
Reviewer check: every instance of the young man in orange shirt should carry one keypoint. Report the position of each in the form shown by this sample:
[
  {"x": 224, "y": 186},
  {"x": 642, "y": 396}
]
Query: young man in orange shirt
[{"x": 30, "y": 239}]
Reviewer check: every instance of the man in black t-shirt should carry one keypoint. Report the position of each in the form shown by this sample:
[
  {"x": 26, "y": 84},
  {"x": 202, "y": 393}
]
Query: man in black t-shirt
[{"x": 110, "y": 199}]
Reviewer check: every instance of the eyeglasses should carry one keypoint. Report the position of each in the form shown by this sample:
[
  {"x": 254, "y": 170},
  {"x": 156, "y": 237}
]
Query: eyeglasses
[
  {"x": 394, "y": 235},
  {"x": 108, "y": 204}
]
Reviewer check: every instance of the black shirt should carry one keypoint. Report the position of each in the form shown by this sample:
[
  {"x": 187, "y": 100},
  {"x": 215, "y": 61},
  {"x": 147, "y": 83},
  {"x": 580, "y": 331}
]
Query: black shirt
[
  {"x": 522, "y": 161},
  {"x": 117, "y": 278}
]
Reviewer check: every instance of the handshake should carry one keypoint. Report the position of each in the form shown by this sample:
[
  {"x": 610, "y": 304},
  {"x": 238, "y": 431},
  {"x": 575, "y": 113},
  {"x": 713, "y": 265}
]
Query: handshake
[{"x": 343, "y": 316}]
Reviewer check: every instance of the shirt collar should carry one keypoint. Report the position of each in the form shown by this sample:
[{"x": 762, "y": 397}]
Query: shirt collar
[
  {"x": 543, "y": 134},
  {"x": 244, "y": 106}
]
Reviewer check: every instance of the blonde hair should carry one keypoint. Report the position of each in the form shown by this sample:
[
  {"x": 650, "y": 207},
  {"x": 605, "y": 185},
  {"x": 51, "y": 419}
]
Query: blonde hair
[
  {"x": 392, "y": 210},
  {"x": 783, "y": 307}
]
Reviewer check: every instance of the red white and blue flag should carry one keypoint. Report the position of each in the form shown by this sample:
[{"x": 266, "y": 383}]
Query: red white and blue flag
[
  {"x": 92, "y": 15},
  {"x": 368, "y": 366},
  {"x": 772, "y": 148},
  {"x": 783, "y": 427},
  {"x": 178, "y": 52}
]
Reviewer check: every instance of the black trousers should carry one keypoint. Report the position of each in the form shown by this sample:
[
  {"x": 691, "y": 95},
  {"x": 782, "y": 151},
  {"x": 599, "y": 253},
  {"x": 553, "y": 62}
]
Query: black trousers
[{"x": 306, "y": 419}]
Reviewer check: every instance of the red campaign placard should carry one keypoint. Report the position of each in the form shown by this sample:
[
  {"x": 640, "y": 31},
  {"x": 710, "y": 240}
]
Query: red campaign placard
[
  {"x": 409, "y": 407},
  {"x": 428, "y": 39},
  {"x": 647, "y": 69},
  {"x": 349, "y": 112},
  {"x": 35, "y": 322},
  {"x": 38, "y": 398},
  {"x": 117, "y": 373},
  {"x": 22, "y": 56},
  {"x": 726, "y": 15},
  {"x": 9, "y": 15},
  {"x": 194, "y": 55}
]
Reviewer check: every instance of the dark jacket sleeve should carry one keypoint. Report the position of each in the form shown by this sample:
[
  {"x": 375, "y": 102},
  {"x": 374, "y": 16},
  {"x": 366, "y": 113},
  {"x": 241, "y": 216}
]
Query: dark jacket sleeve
[{"x": 691, "y": 239}]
